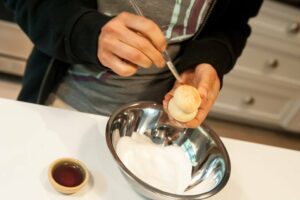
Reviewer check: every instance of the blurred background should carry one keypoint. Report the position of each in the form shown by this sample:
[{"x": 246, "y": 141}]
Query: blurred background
[{"x": 260, "y": 99}]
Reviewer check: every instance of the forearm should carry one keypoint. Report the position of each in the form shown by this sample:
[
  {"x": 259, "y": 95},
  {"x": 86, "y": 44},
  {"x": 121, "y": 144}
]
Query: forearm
[{"x": 66, "y": 30}]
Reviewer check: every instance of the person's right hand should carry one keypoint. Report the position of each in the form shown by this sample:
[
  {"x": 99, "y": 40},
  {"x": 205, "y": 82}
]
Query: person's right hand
[{"x": 128, "y": 41}]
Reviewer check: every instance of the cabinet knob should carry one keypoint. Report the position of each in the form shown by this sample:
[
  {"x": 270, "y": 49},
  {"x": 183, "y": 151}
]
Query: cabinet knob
[
  {"x": 248, "y": 100},
  {"x": 293, "y": 28},
  {"x": 272, "y": 63}
]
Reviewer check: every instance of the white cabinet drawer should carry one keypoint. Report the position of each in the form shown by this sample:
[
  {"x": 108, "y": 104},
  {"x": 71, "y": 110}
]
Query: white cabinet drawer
[
  {"x": 275, "y": 42},
  {"x": 12, "y": 66},
  {"x": 13, "y": 41},
  {"x": 270, "y": 64},
  {"x": 264, "y": 87},
  {"x": 278, "y": 19},
  {"x": 252, "y": 100},
  {"x": 292, "y": 120}
]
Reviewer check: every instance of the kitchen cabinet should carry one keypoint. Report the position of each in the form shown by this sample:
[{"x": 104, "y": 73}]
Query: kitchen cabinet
[
  {"x": 264, "y": 87},
  {"x": 15, "y": 48}
]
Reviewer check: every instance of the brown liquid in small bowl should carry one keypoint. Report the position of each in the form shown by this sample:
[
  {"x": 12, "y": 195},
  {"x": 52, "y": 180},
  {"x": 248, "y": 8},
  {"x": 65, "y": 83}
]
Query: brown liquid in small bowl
[{"x": 67, "y": 175}]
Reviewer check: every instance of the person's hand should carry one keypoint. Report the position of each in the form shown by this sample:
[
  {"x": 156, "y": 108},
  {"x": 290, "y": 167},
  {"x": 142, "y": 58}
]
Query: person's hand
[
  {"x": 128, "y": 41},
  {"x": 205, "y": 79}
]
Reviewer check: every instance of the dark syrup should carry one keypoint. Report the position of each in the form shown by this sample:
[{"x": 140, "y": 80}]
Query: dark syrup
[{"x": 68, "y": 174}]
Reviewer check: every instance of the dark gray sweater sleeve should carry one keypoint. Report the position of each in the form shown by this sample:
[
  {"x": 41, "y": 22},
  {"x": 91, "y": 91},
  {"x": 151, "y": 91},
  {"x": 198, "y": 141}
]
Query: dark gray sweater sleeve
[
  {"x": 223, "y": 38},
  {"x": 67, "y": 30}
]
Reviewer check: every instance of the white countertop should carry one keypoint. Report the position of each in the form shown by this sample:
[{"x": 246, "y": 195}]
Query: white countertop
[{"x": 32, "y": 136}]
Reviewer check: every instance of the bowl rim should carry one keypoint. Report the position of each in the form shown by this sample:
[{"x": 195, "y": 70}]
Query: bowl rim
[{"x": 129, "y": 174}]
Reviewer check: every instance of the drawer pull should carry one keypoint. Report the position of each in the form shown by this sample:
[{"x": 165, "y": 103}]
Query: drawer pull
[
  {"x": 272, "y": 63},
  {"x": 293, "y": 28},
  {"x": 248, "y": 100}
]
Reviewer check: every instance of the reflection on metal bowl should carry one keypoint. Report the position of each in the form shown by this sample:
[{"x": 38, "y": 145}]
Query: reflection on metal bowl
[{"x": 211, "y": 165}]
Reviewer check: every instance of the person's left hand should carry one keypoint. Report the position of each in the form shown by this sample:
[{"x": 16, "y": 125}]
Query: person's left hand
[{"x": 205, "y": 79}]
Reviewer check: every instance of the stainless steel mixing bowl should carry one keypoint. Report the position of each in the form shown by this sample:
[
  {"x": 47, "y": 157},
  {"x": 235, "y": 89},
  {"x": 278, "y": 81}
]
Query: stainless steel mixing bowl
[{"x": 211, "y": 165}]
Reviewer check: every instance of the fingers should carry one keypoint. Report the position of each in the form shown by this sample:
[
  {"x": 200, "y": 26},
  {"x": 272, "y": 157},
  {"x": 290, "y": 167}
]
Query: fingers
[
  {"x": 167, "y": 98},
  {"x": 147, "y": 28},
  {"x": 206, "y": 80},
  {"x": 132, "y": 38},
  {"x": 201, "y": 115},
  {"x": 208, "y": 87},
  {"x": 143, "y": 45},
  {"x": 129, "y": 53},
  {"x": 118, "y": 65}
]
